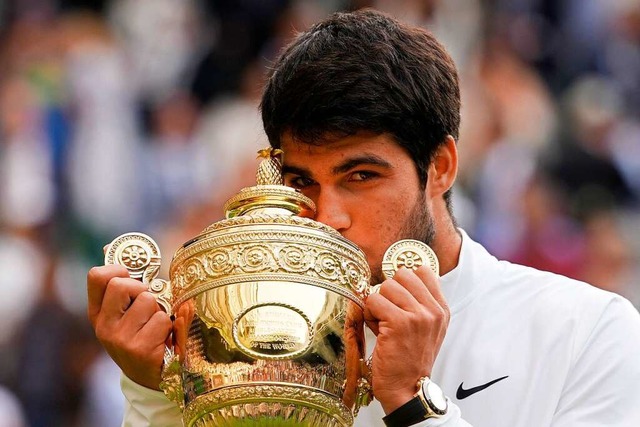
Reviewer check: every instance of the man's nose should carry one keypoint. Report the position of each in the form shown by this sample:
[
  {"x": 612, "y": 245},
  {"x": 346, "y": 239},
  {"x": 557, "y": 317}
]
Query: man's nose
[{"x": 331, "y": 210}]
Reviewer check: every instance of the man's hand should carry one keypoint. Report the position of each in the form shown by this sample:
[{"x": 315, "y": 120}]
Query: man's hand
[
  {"x": 128, "y": 322},
  {"x": 410, "y": 316}
]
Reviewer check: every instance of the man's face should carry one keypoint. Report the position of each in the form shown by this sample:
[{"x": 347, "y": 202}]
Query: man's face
[{"x": 366, "y": 187}]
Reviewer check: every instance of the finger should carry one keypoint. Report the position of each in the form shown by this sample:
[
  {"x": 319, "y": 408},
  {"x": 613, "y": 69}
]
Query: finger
[
  {"x": 143, "y": 307},
  {"x": 97, "y": 280},
  {"x": 118, "y": 297},
  {"x": 378, "y": 308},
  {"x": 399, "y": 295},
  {"x": 156, "y": 331},
  {"x": 417, "y": 285},
  {"x": 432, "y": 282}
]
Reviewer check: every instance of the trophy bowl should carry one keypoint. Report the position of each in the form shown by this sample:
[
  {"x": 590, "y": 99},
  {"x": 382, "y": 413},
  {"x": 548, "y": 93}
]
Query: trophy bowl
[{"x": 268, "y": 311}]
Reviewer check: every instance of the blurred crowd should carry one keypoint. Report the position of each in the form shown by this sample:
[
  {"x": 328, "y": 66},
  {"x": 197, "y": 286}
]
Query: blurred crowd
[{"x": 142, "y": 115}]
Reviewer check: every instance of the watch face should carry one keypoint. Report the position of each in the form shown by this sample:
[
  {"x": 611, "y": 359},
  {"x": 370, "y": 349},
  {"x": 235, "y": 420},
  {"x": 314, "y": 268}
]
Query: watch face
[{"x": 435, "y": 397}]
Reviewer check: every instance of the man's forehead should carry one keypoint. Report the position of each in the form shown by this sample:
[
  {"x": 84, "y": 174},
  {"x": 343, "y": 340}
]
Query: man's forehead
[
  {"x": 358, "y": 142},
  {"x": 331, "y": 139}
]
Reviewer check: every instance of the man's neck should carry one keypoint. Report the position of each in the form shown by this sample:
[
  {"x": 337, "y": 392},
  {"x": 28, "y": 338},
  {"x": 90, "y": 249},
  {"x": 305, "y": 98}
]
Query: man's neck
[{"x": 447, "y": 246}]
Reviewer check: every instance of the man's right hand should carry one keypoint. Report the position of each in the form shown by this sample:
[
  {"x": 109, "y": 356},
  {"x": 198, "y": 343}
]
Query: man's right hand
[{"x": 128, "y": 322}]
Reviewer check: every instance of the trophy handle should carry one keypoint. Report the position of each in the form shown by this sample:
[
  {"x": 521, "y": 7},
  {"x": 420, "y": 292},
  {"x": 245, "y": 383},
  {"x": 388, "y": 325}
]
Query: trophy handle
[
  {"x": 140, "y": 255},
  {"x": 411, "y": 254}
]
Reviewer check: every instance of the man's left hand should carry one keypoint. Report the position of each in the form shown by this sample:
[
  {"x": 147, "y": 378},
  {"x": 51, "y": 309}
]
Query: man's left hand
[{"x": 410, "y": 317}]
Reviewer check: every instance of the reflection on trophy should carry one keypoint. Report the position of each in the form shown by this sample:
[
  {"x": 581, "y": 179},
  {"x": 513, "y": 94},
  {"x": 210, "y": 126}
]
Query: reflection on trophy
[{"x": 268, "y": 311}]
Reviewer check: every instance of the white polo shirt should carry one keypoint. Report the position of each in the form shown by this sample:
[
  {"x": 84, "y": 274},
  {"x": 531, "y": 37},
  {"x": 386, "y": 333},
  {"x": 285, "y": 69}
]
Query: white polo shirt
[{"x": 564, "y": 354}]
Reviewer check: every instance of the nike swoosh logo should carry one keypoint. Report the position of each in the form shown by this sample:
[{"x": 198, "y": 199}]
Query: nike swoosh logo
[{"x": 463, "y": 394}]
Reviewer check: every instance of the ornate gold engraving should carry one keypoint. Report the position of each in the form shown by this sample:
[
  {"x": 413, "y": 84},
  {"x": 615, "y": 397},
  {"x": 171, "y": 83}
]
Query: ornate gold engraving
[
  {"x": 171, "y": 383},
  {"x": 219, "y": 259},
  {"x": 409, "y": 254},
  {"x": 140, "y": 255},
  {"x": 263, "y": 218},
  {"x": 285, "y": 394},
  {"x": 137, "y": 252}
]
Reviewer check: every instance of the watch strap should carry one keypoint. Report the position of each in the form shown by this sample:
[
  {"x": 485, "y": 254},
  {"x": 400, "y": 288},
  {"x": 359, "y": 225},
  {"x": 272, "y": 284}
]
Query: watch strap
[{"x": 408, "y": 414}]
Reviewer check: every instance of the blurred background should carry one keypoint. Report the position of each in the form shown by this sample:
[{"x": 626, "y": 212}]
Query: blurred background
[{"x": 142, "y": 115}]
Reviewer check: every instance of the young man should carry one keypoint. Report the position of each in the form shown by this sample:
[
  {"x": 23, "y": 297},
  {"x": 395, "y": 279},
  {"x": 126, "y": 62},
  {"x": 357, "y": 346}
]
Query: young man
[{"x": 367, "y": 112}]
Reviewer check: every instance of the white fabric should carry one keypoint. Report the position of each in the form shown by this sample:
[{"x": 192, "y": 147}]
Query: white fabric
[
  {"x": 571, "y": 353},
  {"x": 146, "y": 407}
]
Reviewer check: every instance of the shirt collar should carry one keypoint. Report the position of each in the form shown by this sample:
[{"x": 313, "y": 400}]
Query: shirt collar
[{"x": 460, "y": 285}]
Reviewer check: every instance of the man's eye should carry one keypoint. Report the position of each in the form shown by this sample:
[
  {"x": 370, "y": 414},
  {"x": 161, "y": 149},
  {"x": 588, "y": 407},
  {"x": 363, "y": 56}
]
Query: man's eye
[
  {"x": 299, "y": 182},
  {"x": 362, "y": 176}
]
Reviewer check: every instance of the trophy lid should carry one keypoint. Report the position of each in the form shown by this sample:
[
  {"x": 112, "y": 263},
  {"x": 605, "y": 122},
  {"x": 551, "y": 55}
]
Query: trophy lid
[
  {"x": 269, "y": 201},
  {"x": 270, "y": 194}
]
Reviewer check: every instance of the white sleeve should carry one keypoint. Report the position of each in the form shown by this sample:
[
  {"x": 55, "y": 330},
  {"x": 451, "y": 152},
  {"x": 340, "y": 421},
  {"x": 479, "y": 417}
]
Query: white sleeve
[
  {"x": 603, "y": 386},
  {"x": 147, "y": 408}
]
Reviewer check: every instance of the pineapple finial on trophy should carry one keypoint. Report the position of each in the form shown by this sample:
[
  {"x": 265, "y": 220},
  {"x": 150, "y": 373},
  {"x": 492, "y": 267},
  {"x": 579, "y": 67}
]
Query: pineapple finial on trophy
[
  {"x": 269, "y": 195},
  {"x": 270, "y": 169}
]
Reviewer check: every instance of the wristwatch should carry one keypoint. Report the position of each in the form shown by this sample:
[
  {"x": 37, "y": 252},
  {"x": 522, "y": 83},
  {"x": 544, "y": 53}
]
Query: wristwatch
[{"x": 428, "y": 402}]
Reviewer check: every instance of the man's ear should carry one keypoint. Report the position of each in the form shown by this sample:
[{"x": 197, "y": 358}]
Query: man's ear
[{"x": 444, "y": 168}]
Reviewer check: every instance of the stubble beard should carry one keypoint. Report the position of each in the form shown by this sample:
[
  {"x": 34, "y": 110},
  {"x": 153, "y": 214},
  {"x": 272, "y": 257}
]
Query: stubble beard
[{"x": 419, "y": 225}]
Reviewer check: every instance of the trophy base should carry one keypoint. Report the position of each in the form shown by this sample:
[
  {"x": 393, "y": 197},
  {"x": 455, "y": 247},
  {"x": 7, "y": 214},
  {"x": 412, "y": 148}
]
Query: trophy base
[{"x": 267, "y": 405}]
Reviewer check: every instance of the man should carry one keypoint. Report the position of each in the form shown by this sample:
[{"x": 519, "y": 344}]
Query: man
[{"x": 367, "y": 112}]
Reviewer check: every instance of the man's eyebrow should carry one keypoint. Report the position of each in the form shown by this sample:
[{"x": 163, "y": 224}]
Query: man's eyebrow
[
  {"x": 364, "y": 159},
  {"x": 345, "y": 166},
  {"x": 295, "y": 170}
]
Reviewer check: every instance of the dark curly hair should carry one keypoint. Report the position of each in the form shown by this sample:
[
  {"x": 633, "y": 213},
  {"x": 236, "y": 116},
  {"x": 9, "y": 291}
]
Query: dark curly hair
[{"x": 365, "y": 71}]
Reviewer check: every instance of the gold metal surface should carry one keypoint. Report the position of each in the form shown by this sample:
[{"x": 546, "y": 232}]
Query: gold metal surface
[
  {"x": 268, "y": 308},
  {"x": 140, "y": 255},
  {"x": 409, "y": 254}
]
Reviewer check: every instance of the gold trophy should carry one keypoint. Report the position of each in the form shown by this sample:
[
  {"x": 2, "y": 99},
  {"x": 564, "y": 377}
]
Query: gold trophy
[{"x": 268, "y": 311}]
